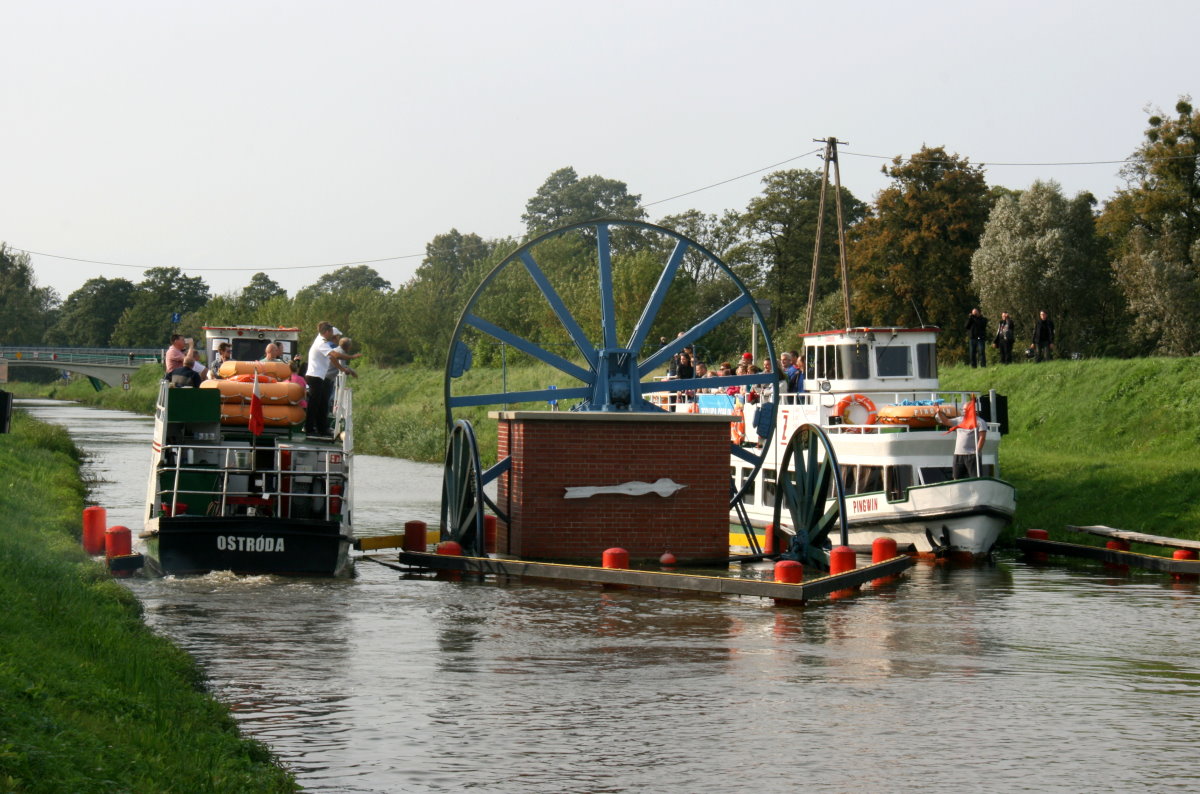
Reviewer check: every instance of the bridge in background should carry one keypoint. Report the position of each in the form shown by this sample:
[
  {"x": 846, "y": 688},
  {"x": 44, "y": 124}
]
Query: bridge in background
[{"x": 100, "y": 364}]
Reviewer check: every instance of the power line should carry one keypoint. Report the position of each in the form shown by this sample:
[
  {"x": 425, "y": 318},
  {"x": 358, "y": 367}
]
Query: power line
[
  {"x": 727, "y": 181},
  {"x": 1046, "y": 165}
]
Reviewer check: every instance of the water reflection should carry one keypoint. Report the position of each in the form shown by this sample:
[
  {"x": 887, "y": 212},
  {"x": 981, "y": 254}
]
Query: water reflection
[{"x": 996, "y": 678}]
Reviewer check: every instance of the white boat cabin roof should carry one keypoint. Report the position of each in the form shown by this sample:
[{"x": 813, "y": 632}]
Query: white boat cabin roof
[{"x": 871, "y": 359}]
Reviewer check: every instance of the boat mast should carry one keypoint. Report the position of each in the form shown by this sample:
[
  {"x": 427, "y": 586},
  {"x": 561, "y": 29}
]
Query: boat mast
[{"x": 829, "y": 156}]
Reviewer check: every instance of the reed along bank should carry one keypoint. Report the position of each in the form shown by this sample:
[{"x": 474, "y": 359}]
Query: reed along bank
[
  {"x": 1094, "y": 441},
  {"x": 90, "y": 699}
]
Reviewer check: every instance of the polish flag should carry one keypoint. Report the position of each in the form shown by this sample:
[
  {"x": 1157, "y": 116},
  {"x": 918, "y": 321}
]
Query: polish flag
[{"x": 256, "y": 411}]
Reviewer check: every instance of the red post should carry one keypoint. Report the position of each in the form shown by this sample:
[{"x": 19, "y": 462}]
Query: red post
[
  {"x": 450, "y": 548},
  {"x": 415, "y": 535},
  {"x": 769, "y": 539},
  {"x": 615, "y": 558},
  {"x": 883, "y": 549},
  {"x": 118, "y": 542},
  {"x": 95, "y": 519},
  {"x": 489, "y": 532},
  {"x": 789, "y": 572}
]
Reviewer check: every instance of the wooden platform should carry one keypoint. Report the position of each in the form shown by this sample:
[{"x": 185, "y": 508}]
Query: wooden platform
[
  {"x": 660, "y": 580},
  {"x": 1148, "y": 561},
  {"x": 1137, "y": 537}
]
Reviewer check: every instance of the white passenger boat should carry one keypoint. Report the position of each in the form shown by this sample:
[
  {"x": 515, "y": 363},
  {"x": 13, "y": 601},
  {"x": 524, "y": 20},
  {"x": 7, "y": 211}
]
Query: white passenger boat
[
  {"x": 223, "y": 498},
  {"x": 874, "y": 391}
]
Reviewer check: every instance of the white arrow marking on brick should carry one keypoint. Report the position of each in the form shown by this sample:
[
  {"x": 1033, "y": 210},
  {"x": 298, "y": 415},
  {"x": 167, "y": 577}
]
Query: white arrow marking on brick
[{"x": 662, "y": 487}]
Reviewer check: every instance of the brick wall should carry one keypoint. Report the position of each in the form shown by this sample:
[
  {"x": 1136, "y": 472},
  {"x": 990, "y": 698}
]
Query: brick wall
[{"x": 551, "y": 454}]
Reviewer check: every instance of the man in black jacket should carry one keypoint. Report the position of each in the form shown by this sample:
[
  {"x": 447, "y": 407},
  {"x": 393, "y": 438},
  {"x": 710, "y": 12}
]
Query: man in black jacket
[
  {"x": 977, "y": 337},
  {"x": 1006, "y": 334},
  {"x": 1043, "y": 336}
]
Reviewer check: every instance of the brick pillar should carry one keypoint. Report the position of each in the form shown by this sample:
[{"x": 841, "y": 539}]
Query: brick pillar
[{"x": 552, "y": 451}]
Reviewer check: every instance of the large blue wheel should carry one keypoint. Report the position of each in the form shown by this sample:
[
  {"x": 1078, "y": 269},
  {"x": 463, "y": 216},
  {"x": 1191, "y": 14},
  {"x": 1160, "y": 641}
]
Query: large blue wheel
[{"x": 611, "y": 302}]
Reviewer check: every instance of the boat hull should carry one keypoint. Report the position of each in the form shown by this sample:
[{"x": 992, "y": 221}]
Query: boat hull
[{"x": 247, "y": 545}]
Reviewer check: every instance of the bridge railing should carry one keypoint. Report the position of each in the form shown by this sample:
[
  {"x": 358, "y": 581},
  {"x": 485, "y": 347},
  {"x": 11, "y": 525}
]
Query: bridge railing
[{"x": 81, "y": 355}]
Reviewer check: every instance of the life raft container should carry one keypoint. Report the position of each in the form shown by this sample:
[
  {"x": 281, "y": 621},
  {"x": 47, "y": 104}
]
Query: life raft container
[
  {"x": 915, "y": 416},
  {"x": 280, "y": 370},
  {"x": 737, "y": 428},
  {"x": 275, "y": 392},
  {"x": 861, "y": 400},
  {"x": 238, "y": 414}
]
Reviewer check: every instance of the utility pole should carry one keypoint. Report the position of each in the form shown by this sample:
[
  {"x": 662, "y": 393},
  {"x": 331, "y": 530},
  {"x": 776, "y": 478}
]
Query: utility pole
[{"x": 830, "y": 156}]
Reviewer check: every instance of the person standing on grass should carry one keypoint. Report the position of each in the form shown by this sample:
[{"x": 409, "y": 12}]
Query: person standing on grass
[
  {"x": 1043, "y": 336},
  {"x": 977, "y": 337}
]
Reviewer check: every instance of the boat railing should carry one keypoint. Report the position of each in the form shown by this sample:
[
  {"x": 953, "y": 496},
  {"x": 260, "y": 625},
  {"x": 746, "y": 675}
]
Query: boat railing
[{"x": 238, "y": 486}]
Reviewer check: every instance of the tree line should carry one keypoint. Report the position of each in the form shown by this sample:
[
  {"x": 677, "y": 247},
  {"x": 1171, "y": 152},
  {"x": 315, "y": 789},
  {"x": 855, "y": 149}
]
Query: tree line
[{"x": 1119, "y": 279}]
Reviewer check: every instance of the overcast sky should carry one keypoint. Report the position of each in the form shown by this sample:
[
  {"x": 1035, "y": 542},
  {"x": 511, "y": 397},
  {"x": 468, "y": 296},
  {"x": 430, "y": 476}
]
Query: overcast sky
[{"x": 225, "y": 137}]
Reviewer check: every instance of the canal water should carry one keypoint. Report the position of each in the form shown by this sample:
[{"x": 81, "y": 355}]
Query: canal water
[{"x": 1005, "y": 677}]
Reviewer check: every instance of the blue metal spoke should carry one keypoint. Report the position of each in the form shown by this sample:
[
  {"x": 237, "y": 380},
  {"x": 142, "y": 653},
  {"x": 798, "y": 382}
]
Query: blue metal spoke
[
  {"x": 608, "y": 311},
  {"x": 699, "y": 329},
  {"x": 525, "y": 346},
  {"x": 750, "y": 456},
  {"x": 560, "y": 309},
  {"x": 495, "y": 471},
  {"x": 657, "y": 297},
  {"x": 501, "y": 398}
]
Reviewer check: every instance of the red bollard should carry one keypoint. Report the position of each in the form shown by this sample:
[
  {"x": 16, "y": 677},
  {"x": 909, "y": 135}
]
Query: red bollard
[
  {"x": 415, "y": 535},
  {"x": 450, "y": 548},
  {"x": 489, "y": 533},
  {"x": 1117, "y": 545},
  {"x": 118, "y": 542},
  {"x": 883, "y": 549},
  {"x": 1185, "y": 554},
  {"x": 769, "y": 540},
  {"x": 95, "y": 519},
  {"x": 615, "y": 558},
  {"x": 1038, "y": 534},
  {"x": 842, "y": 559},
  {"x": 789, "y": 572}
]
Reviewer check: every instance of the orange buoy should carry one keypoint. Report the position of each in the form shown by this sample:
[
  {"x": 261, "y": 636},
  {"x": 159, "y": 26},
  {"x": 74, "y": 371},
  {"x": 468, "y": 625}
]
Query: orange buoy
[
  {"x": 789, "y": 572},
  {"x": 118, "y": 541},
  {"x": 615, "y": 558},
  {"x": 1184, "y": 554},
  {"x": 414, "y": 535},
  {"x": 667, "y": 558},
  {"x": 450, "y": 548},
  {"x": 883, "y": 549},
  {"x": 489, "y": 532},
  {"x": 95, "y": 518},
  {"x": 1037, "y": 534},
  {"x": 1117, "y": 545}
]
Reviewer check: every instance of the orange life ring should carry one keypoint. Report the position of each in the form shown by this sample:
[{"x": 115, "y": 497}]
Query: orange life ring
[
  {"x": 856, "y": 399},
  {"x": 737, "y": 428}
]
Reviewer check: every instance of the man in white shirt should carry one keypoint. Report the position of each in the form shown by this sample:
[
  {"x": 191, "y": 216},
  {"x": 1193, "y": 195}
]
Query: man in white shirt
[{"x": 316, "y": 423}]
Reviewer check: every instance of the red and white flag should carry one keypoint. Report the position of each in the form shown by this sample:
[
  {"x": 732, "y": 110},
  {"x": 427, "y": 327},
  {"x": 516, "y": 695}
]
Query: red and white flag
[{"x": 256, "y": 411}]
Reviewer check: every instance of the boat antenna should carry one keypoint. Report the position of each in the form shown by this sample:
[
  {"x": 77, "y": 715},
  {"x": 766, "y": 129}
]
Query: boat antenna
[
  {"x": 918, "y": 311},
  {"x": 830, "y": 156}
]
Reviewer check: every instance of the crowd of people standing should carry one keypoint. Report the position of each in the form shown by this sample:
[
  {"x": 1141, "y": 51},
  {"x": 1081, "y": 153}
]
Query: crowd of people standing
[{"x": 1041, "y": 345}]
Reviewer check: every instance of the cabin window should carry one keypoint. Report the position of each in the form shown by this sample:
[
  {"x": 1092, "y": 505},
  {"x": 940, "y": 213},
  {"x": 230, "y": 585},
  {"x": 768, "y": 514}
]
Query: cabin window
[
  {"x": 894, "y": 361},
  {"x": 899, "y": 480},
  {"x": 927, "y": 360},
  {"x": 288, "y": 348},
  {"x": 870, "y": 479},
  {"x": 853, "y": 359},
  {"x": 768, "y": 481},
  {"x": 248, "y": 349},
  {"x": 933, "y": 474},
  {"x": 848, "y": 475}
]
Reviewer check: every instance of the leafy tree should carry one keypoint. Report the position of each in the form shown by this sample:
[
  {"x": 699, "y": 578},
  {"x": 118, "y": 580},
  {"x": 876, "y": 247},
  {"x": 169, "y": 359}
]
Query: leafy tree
[
  {"x": 782, "y": 227},
  {"x": 26, "y": 310},
  {"x": 260, "y": 290},
  {"x": 1153, "y": 227},
  {"x": 90, "y": 313},
  {"x": 564, "y": 198},
  {"x": 163, "y": 291},
  {"x": 345, "y": 279},
  {"x": 1040, "y": 251},
  {"x": 911, "y": 261}
]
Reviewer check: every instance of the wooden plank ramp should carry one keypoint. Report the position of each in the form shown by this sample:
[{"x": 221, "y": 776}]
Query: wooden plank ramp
[{"x": 660, "y": 580}]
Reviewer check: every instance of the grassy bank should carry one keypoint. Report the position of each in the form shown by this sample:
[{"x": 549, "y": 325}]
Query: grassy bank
[
  {"x": 1091, "y": 442},
  {"x": 91, "y": 699}
]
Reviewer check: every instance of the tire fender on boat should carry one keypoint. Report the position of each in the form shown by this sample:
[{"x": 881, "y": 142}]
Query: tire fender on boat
[{"x": 856, "y": 399}]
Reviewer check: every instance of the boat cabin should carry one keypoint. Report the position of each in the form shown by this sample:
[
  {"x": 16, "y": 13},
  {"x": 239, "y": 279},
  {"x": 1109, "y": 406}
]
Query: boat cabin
[
  {"x": 864, "y": 360},
  {"x": 249, "y": 342}
]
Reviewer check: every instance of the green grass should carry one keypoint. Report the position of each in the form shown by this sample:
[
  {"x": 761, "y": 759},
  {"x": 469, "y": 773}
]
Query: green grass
[
  {"x": 1099, "y": 441},
  {"x": 90, "y": 699}
]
